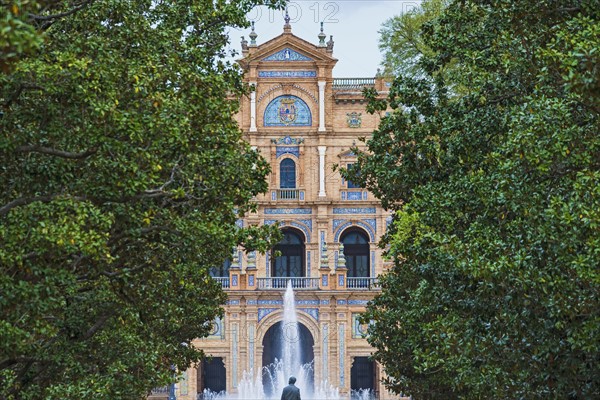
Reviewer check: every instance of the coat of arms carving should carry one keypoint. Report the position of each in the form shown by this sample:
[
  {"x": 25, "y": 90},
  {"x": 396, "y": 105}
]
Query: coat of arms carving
[
  {"x": 354, "y": 119},
  {"x": 287, "y": 111}
]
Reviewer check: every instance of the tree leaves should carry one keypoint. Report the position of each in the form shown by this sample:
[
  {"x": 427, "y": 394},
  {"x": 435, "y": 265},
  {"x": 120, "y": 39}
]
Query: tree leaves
[
  {"x": 123, "y": 174},
  {"x": 493, "y": 293}
]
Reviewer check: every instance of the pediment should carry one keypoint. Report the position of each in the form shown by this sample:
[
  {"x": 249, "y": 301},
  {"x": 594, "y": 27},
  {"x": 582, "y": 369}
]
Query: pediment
[{"x": 288, "y": 48}]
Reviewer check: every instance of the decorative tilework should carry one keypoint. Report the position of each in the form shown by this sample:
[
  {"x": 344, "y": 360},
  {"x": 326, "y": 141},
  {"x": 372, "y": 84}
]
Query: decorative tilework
[
  {"x": 281, "y": 150},
  {"x": 217, "y": 331},
  {"x": 273, "y": 195},
  {"x": 233, "y": 302},
  {"x": 342, "y": 352},
  {"x": 313, "y": 312},
  {"x": 288, "y": 210},
  {"x": 341, "y": 280},
  {"x": 287, "y": 54},
  {"x": 251, "y": 340},
  {"x": 359, "y": 331},
  {"x": 371, "y": 222},
  {"x": 337, "y": 222},
  {"x": 307, "y": 222},
  {"x": 268, "y": 262},
  {"x": 234, "y": 280},
  {"x": 308, "y": 263},
  {"x": 288, "y": 140},
  {"x": 250, "y": 280},
  {"x": 239, "y": 223},
  {"x": 361, "y": 224},
  {"x": 324, "y": 302},
  {"x": 324, "y": 280},
  {"x": 325, "y": 333},
  {"x": 263, "y": 312},
  {"x": 183, "y": 383},
  {"x": 353, "y": 196},
  {"x": 307, "y": 302},
  {"x": 367, "y": 210},
  {"x": 358, "y": 302},
  {"x": 287, "y": 74},
  {"x": 373, "y": 264},
  {"x": 270, "y": 302},
  {"x": 342, "y": 302},
  {"x": 271, "y": 221},
  {"x": 287, "y": 110},
  {"x": 234, "y": 352},
  {"x": 303, "y": 228},
  {"x": 336, "y": 257},
  {"x": 302, "y": 195},
  {"x": 251, "y": 302},
  {"x": 365, "y": 195}
]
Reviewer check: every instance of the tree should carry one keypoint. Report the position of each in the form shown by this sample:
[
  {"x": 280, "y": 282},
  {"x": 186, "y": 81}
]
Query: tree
[
  {"x": 123, "y": 175},
  {"x": 496, "y": 239},
  {"x": 401, "y": 40}
]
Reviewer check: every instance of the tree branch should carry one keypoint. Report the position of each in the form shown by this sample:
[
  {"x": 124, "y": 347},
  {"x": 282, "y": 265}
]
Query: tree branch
[
  {"x": 60, "y": 15},
  {"x": 56, "y": 152}
]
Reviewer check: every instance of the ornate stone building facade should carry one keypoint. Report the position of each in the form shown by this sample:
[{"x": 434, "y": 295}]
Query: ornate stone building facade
[{"x": 304, "y": 122}]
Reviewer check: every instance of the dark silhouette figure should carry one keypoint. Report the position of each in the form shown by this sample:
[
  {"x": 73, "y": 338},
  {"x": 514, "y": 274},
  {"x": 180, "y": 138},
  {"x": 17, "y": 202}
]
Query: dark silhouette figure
[{"x": 291, "y": 392}]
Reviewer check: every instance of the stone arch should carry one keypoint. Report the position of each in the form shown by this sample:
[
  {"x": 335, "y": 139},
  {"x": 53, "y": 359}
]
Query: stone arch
[
  {"x": 353, "y": 224},
  {"x": 276, "y": 316}
]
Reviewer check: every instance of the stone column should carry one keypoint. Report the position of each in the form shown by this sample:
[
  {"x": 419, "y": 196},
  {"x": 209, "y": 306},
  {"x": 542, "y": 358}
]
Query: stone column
[
  {"x": 253, "y": 108},
  {"x": 322, "y": 150},
  {"x": 321, "y": 106}
]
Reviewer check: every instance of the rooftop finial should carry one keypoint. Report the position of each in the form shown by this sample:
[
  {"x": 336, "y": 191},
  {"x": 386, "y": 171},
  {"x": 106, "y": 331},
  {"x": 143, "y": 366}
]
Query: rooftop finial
[
  {"x": 287, "y": 17},
  {"x": 322, "y": 37},
  {"x": 253, "y": 36},
  {"x": 244, "y": 44},
  {"x": 287, "y": 28},
  {"x": 330, "y": 44}
]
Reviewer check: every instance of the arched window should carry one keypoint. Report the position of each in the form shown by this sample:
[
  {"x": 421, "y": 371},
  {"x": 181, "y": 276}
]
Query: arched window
[
  {"x": 287, "y": 174},
  {"x": 356, "y": 250},
  {"x": 220, "y": 271},
  {"x": 290, "y": 262}
]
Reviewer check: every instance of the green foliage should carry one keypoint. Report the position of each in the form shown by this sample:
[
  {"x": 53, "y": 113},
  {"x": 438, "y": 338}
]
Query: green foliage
[
  {"x": 496, "y": 241},
  {"x": 122, "y": 175},
  {"x": 402, "y": 42}
]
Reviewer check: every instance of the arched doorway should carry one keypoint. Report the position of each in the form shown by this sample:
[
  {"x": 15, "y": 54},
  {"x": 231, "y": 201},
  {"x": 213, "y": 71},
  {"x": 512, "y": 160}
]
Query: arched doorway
[{"x": 273, "y": 349}]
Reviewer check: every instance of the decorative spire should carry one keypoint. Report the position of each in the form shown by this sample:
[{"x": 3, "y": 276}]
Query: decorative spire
[
  {"x": 322, "y": 37},
  {"x": 251, "y": 260},
  {"x": 244, "y": 44},
  {"x": 287, "y": 17},
  {"x": 324, "y": 257},
  {"x": 287, "y": 28},
  {"x": 235, "y": 261},
  {"x": 341, "y": 257},
  {"x": 253, "y": 36},
  {"x": 330, "y": 44}
]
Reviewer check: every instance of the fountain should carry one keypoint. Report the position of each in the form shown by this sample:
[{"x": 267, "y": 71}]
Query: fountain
[{"x": 252, "y": 386}]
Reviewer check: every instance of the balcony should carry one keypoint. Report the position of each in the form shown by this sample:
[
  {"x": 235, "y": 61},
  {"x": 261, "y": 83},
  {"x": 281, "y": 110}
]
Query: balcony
[
  {"x": 281, "y": 283},
  {"x": 287, "y": 194},
  {"x": 362, "y": 283},
  {"x": 224, "y": 281}
]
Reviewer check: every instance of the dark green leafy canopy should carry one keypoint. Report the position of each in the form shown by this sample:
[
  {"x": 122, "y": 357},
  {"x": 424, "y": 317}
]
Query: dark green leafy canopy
[
  {"x": 122, "y": 175},
  {"x": 495, "y": 287}
]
